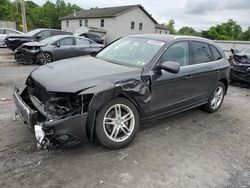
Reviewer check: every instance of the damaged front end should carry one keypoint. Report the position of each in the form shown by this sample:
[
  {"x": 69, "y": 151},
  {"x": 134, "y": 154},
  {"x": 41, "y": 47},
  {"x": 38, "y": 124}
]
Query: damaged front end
[
  {"x": 26, "y": 54},
  {"x": 57, "y": 119}
]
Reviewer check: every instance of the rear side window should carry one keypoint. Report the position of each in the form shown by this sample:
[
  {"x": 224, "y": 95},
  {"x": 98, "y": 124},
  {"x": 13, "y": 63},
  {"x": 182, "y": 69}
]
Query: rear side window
[
  {"x": 44, "y": 34},
  {"x": 177, "y": 52},
  {"x": 200, "y": 53},
  {"x": 215, "y": 52},
  {"x": 67, "y": 41},
  {"x": 82, "y": 42}
]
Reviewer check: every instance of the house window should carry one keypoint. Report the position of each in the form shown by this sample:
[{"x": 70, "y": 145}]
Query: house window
[
  {"x": 140, "y": 26},
  {"x": 80, "y": 23},
  {"x": 86, "y": 22},
  {"x": 67, "y": 23},
  {"x": 102, "y": 22},
  {"x": 160, "y": 31},
  {"x": 166, "y": 32},
  {"x": 132, "y": 25}
]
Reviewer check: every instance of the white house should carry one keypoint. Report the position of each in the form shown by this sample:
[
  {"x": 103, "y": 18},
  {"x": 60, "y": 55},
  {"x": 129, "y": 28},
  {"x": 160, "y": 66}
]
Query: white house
[{"x": 116, "y": 21}]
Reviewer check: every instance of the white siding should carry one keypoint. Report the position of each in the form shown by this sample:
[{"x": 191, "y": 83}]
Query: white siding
[
  {"x": 116, "y": 27},
  {"x": 123, "y": 23},
  {"x": 161, "y": 31}
]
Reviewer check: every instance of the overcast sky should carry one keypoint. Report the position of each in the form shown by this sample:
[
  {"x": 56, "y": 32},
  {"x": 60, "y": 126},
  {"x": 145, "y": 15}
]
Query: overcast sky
[{"x": 199, "y": 14}]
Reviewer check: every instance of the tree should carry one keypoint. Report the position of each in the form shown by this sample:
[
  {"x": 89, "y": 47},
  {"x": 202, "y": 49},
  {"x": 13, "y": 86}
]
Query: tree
[
  {"x": 170, "y": 26},
  {"x": 188, "y": 31},
  {"x": 246, "y": 35},
  {"x": 225, "y": 31}
]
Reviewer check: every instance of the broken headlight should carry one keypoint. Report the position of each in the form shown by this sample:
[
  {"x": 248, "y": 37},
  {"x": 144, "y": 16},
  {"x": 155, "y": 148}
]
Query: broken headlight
[{"x": 62, "y": 106}]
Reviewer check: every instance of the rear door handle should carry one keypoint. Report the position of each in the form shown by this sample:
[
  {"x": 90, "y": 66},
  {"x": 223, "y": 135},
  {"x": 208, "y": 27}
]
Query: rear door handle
[{"x": 188, "y": 76}]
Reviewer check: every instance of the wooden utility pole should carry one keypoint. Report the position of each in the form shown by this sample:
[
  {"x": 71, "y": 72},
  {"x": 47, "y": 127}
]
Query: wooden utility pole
[{"x": 22, "y": 2}]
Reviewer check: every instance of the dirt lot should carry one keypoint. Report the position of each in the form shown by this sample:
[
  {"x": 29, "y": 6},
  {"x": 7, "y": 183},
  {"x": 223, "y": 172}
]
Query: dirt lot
[{"x": 191, "y": 149}]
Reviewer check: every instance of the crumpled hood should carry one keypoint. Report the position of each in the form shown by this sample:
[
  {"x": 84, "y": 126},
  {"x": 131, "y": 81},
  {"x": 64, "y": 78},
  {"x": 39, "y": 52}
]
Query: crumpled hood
[
  {"x": 75, "y": 74},
  {"x": 18, "y": 36}
]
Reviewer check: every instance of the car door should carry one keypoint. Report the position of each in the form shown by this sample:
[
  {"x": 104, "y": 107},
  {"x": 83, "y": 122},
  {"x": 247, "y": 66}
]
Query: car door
[
  {"x": 171, "y": 92},
  {"x": 83, "y": 46},
  {"x": 64, "y": 48},
  {"x": 203, "y": 69}
]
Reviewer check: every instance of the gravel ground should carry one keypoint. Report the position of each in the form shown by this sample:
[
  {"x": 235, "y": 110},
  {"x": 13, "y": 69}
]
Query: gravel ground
[{"x": 190, "y": 149}]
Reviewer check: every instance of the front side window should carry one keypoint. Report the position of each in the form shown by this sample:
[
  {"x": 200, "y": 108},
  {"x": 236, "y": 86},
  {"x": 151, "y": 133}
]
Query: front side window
[
  {"x": 67, "y": 41},
  {"x": 177, "y": 52},
  {"x": 200, "y": 53},
  {"x": 132, "y": 25},
  {"x": 44, "y": 34},
  {"x": 215, "y": 53},
  {"x": 131, "y": 51},
  {"x": 102, "y": 22},
  {"x": 140, "y": 26}
]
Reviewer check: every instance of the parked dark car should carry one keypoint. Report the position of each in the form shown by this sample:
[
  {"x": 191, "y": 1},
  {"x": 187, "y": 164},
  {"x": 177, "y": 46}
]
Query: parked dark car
[
  {"x": 134, "y": 79},
  {"x": 98, "y": 39},
  {"x": 240, "y": 69},
  {"x": 13, "y": 41},
  {"x": 55, "y": 48}
]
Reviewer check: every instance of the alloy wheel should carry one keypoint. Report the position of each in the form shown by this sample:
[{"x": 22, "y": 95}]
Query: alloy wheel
[
  {"x": 119, "y": 122},
  {"x": 217, "y": 97},
  {"x": 45, "y": 58}
]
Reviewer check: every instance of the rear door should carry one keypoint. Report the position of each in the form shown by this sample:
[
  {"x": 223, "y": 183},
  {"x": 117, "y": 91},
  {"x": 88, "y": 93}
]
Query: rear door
[
  {"x": 202, "y": 68},
  {"x": 83, "y": 46}
]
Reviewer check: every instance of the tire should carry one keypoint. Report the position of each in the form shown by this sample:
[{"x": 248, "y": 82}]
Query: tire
[
  {"x": 111, "y": 127},
  {"x": 215, "y": 100},
  {"x": 44, "y": 58}
]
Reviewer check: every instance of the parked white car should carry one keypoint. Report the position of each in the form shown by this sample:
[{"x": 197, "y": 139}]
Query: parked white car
[{"x": 4, "y": 32}]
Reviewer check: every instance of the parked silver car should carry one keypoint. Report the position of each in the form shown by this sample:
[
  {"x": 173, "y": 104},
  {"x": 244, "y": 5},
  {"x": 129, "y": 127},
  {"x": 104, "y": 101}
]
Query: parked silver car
[
  {"x": 4, "y": 32},
  {"x": 55, "y": 48}
]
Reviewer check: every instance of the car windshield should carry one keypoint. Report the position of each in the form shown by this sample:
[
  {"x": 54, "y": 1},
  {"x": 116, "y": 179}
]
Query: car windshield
[
  {"x": 131, "y": 51},
  {"x": 33, "y": 32},
  {"x": 245, "y": 51}
]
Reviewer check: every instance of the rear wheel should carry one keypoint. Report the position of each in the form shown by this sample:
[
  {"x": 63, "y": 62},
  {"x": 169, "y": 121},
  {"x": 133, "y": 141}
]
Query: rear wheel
[
  {"x": 215, "y": 99},
  {"x": 117, "y": 123},
  {"x": 44, "y": 58}
]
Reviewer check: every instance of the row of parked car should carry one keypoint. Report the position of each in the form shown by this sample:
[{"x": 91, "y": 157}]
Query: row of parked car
[{"x": 42, "y": 46}]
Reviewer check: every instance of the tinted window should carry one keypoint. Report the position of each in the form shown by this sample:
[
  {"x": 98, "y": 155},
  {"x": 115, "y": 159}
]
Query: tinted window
[
  {"x": 44, "y": 34},
  {"x": 215, "y": 53},
  {"x": 178, "y": 52},
  {"x": 67, "y": 41},
  {"x": 200, "y": 53}
]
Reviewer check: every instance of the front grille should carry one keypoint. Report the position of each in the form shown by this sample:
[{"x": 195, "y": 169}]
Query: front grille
[{"x": 37, "y": 90}]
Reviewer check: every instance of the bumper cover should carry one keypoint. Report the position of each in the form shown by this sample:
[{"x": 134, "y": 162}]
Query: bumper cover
[
  {"x": 66, "y": 132},
  {"x": 240, "y": 76}
]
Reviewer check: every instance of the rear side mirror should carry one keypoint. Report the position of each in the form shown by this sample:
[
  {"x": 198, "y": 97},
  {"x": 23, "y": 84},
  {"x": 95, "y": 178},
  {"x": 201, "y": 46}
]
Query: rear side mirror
[{"x": 170, "y": 66}]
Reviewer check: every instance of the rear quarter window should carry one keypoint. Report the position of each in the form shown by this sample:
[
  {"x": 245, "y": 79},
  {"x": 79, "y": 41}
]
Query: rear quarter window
[
  {"x": 200, "y": 52},
  {"x": 216, "y": 53}
]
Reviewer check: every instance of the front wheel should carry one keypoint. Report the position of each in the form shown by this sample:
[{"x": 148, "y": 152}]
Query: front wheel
[
  {"x": 44, "y": 58},
  {"x": 215, "y": 99},
  {"x": 117, "y": 123}
]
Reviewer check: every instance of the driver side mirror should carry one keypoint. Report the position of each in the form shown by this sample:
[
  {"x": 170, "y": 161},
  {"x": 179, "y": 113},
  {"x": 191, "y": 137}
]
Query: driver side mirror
[
  {"x": 38, "y": 37},
  {"x": 170, "y": 66},
  {"x": 57, "y": 44}
]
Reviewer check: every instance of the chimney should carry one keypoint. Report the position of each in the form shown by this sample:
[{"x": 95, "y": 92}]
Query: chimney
[{"x": 74, "y": 12}]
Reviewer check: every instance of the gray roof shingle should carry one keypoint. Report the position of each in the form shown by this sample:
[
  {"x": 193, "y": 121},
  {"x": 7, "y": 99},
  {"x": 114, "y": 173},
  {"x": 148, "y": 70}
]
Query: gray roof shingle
[{"x": 104, "y": 12}]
